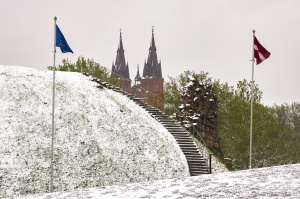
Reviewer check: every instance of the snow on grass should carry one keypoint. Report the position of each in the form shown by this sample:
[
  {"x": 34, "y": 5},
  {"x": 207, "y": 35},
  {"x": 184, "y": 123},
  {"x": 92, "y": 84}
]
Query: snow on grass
[
  {"x": 101, "y": 137},
  {"x": 268, "y": 183}
]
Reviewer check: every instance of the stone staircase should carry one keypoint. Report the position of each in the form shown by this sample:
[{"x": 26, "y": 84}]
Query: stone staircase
[{"x": 196, "y": 162}]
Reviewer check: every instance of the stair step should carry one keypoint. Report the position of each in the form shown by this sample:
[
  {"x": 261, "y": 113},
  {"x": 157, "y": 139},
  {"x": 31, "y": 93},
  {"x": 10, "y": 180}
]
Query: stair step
[
  {"x": 170, "y": 122},
  {"x": 196, "y": 158},
  {"x": 152, "y": 109},
  {"x": 185, "y": 137},
  {"x": 198, "y": 174},
  {"x": 203, "y": 169},
  {"x": 197, "y": 164},
  {"x": 181, "y": 135},
  {"x": 161, "y": 115},
  {"x": 187, "y": 153},
  {"x": 167, "y": 121},
  {"x": 174, "y": 131},
  {"x": 181, "y": 142},
  {"x": 185, "y": 140},
  {"x": 193, "y": 147},
  {"x": 177, "y": 135},
  {"x": 191, "y": 152},
  {"x": 178, "y": 129},
  {"x": 162, "y": 118},
  {"x": 187, "y": 145},
  {"x": 170, "y": 125},
  {"x": 155, "y": 114},
  {"x": 199, "y": 170}
]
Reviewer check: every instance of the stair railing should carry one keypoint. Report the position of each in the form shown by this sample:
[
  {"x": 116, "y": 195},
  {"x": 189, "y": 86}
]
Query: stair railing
[{"x": 196, "y": 134}]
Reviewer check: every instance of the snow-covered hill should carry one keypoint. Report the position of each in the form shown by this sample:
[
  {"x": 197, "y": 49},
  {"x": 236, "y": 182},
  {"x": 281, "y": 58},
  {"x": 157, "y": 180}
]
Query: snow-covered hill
[
  {"x": 101, "y": 137},
  {"x": 267, "y": 183}
]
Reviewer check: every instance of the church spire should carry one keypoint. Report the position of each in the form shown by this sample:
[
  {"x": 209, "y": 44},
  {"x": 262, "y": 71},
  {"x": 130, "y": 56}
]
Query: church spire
[
  {"x": 152, "y": 67},
  {"x": 120, "y": 67},
  {"x": 137, "y": 79},
  {"x": 120, "y": 48},
  {"x": 152, "y": 45}
]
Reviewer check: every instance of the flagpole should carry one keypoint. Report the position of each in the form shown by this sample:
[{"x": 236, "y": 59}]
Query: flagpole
[
  {"x": 251, "y": 112},
  {"x": 53, "y": 101}
]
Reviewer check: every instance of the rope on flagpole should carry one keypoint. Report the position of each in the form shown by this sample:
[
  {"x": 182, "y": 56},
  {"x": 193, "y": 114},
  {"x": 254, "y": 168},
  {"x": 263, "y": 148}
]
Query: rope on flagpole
[
  {"x": 53, "y": 102},
  {"x": 251, "y": 112}
]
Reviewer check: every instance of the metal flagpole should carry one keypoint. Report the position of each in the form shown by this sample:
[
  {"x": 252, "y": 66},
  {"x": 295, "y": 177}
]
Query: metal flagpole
[
  {"x": 53, "y": 100},
  {"x": 251, "y": 114}
]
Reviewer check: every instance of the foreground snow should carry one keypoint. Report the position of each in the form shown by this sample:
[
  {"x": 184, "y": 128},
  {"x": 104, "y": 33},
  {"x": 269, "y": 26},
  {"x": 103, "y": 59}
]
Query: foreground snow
[
  {"x": 101, "y": 137},
  {"x": 275, "y": 182}
]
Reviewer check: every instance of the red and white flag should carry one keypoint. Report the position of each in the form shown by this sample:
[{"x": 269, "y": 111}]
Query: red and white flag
[{"x": 260, "y": 53}]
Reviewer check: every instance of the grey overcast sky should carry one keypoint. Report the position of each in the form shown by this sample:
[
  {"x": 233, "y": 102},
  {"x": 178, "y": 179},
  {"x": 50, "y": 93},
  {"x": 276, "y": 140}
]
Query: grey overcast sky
[{"x": 214, "y": 36}]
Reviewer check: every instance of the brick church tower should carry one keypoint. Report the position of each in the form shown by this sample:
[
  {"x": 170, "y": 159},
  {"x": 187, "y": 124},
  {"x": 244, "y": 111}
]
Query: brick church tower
[
  {"x": 150, "y": 86},
  {"x": 120, "y": 69}
]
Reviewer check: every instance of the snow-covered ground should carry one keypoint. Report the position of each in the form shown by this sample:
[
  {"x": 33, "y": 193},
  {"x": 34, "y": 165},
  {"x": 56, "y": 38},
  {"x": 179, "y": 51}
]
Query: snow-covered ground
[
  {"x": 102, "y": 138},
  {"x": 268, "y": 183}
]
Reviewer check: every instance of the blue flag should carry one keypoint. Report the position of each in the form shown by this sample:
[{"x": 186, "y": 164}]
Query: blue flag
[{"x": 61, "y": 42}]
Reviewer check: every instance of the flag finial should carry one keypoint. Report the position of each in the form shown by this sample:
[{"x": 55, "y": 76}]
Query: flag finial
[
  {"x": 55, "y": 18},
  {"x": 253, "y": 31}
]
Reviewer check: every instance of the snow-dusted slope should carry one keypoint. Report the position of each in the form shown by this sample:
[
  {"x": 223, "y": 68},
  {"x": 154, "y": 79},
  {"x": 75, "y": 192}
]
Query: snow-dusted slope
[
  {"x": 101, "y": 137},
  {"x": 268, "y": 183}
]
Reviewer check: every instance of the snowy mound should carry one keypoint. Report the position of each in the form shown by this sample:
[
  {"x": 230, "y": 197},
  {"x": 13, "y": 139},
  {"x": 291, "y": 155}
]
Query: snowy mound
[{"x": 101, "y": 137}]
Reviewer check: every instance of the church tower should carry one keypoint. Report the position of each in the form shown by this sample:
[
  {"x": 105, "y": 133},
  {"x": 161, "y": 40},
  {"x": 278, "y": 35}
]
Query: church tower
[
  {"x": 120, "y": 68},
  {"x": 151, "y": 83}
]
